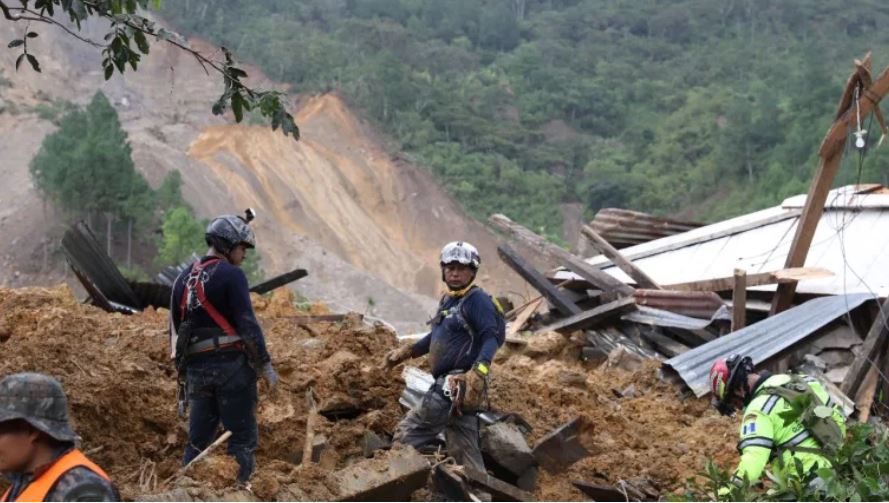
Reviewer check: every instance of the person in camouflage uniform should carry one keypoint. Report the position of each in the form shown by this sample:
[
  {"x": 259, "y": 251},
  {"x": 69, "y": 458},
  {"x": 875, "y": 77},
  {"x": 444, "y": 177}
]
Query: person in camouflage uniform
[{"x": 37, "y": 445}]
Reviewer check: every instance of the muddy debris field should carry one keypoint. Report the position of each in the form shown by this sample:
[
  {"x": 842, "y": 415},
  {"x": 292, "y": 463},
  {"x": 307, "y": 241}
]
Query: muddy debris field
[{"x": 121, "y": 387}]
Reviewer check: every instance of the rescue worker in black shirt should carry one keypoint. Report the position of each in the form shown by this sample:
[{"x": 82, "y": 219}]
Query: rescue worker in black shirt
[
  {"x": 218, "y": 344},
  {"x": 466, "y": 332}
]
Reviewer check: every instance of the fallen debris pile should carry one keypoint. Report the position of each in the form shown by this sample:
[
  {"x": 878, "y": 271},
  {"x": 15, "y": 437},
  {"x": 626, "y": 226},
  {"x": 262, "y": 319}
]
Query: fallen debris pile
[{"x": 121, "y": 389}]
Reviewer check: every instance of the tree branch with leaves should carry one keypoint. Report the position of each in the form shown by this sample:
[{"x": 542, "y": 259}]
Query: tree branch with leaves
[{"x": 128, "y": 39}]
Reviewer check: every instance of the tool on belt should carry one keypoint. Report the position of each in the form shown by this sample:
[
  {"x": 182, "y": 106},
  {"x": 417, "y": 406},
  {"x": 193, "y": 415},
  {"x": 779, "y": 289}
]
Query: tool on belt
[{"x": 455, "y": 390}]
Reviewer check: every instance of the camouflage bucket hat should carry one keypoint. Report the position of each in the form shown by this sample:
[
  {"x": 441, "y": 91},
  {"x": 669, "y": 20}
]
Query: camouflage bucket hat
[{"x": 39, "y": 400}]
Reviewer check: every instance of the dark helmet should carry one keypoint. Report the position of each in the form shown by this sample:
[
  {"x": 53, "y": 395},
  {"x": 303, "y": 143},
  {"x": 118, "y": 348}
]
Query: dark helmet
[
  {"x": 227, "y": 231},
  {"x": 39, "y": 400},
  {"x": 726, "y": 375}
]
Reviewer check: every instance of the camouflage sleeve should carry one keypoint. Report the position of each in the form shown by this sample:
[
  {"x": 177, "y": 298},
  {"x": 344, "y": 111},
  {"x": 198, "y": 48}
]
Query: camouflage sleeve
[
  {"x": 756, "y": 444},
  {"x": 82, "y": 484}
]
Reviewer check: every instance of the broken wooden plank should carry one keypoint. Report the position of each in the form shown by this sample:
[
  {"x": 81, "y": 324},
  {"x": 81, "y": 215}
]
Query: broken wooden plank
[
  {"x": 516, "y": 325},
  {"x": 757, "y": 279},
  {"x": 600, "y": 492},
  {"x": 593, "y": 275},
  {"x": 642, "y": 280},
  {"x": 309, "y": 445},
  {"x": 561, "y": 448},
  {"x": 392, "y": 476},
  {"x": 739, "y": 300},
  {"x": 303, "y": 319},
  {"x": 830, "y": 153},
  {"x": 279, "y": 281},
  {"x": 871, "y": 351},
  {"x": 592, "y": 317},
  {"x": 499, "y": 490},
  {"x": 865, "y": 398},
  {"x": 555, "y": 296}
]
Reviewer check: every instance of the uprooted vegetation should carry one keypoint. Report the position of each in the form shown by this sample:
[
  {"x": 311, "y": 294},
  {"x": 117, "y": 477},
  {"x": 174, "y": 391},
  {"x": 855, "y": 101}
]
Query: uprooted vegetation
[{"x": 121, "y": 388}]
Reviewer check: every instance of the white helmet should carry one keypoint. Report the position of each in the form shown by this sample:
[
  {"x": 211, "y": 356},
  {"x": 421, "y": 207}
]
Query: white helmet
[{"x": 462, "y": 252}]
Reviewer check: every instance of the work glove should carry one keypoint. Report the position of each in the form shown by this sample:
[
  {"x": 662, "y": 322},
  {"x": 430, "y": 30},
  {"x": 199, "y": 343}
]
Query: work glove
[
  {"x": 271, "y": 377},
  {"x": 476, "y": 382},
  {"x": 398, "y": 355}
]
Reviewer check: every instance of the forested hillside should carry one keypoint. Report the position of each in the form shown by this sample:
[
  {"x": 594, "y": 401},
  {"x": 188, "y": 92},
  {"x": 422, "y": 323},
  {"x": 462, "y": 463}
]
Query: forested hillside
[{"x": 699, "y": 108}]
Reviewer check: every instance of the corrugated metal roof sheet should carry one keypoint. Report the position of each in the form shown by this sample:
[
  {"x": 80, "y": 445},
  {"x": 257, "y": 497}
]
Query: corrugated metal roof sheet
[
  {"x": 624, "y": 228},
  {"x": 850, "y": 241},
  {"x": 659, "y": 318},
  {"x": 762, "y": 340}
]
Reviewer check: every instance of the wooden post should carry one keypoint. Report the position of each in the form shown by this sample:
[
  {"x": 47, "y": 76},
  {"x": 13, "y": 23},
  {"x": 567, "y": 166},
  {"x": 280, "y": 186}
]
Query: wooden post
[
  {"x": 739, "y": 300},
  {"x": 540, "y": 283},
  {"x": 871, "y": 351},
  {"x": 596, "y": 277},
  {"x": 831, "y": 153},
  {"x": 310, "y": 427},
  {"x": 642, "y": 280}
]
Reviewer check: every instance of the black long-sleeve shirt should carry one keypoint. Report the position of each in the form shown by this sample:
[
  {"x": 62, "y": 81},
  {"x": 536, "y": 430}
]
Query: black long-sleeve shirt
[
  {"x": 451, "y": 346},
  {"x": 226, "y": 288}
]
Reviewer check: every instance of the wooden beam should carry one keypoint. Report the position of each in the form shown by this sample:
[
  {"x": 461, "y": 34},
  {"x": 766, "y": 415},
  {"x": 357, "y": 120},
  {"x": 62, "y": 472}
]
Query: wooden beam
[
  {"x": 593, "y": 275},
  {"x": 739, "y": 300},
  {"x": 311, "y": 419},
  {"x": 642, "y": 280},
  {"x": 555, "y": 296},
  {"x": 831, "y": 153},
  {"x": 279, "y": 281},
  {"x": 523, "y": 316},
  {"x": 727, "y": 283},
  {"x": 865, "y": 398},
  {"x": 590, "y": 318},
  {"x": 871, "y": 351}
]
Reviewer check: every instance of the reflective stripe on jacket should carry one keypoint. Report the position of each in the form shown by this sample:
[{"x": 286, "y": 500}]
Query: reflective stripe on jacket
[{"x": 764, "y": 434}]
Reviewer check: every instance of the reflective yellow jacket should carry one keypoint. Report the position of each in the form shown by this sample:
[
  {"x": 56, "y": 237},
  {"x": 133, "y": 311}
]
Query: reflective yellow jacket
[{"x": 764, "y": 434}]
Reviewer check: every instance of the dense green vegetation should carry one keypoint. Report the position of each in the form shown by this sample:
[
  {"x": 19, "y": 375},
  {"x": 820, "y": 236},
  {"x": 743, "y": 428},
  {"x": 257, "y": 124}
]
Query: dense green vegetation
[
  {"x": 858, "y": 474},
  {"x": 704, "y": 108},
  {"x": 85, "y": 168}
]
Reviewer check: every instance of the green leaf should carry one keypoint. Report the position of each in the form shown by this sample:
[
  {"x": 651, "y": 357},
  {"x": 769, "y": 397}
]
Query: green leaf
[
  {"x": 237, "y": 72},
  {"x": 16, "y": 43},
  {"x": 141, "y": 42},
  {"x": 109, "y": 71},
  {"x": 34, "y": 64},
  {"x": 18, "y": 61},
  {"x": 237, "y": 107},
  {"x": 31, "y": 34}
]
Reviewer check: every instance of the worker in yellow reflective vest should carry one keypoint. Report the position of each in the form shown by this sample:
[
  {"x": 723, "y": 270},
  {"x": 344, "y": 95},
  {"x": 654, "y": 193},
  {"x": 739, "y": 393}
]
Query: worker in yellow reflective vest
[{"x": 787, "y": 417}]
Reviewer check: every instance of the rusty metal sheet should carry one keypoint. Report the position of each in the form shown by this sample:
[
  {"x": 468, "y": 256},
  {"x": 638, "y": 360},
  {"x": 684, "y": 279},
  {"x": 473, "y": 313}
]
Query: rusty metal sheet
[
  {"x": 694, "y": 304},
  {"x": 624, "y": 228}
]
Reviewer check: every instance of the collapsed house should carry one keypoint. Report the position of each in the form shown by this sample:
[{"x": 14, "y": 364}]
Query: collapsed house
[{"x": 694, "y": 296}]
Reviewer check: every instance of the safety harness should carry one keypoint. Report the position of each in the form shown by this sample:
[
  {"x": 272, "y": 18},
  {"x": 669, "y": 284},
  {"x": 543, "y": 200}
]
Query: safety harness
[
  {"x": 816, "y": 417},
  {"x": 194, "y": 296}
]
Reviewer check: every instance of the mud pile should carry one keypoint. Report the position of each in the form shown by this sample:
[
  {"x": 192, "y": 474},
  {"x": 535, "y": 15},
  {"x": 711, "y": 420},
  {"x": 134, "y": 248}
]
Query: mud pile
[{"x": 122, "y": 394}]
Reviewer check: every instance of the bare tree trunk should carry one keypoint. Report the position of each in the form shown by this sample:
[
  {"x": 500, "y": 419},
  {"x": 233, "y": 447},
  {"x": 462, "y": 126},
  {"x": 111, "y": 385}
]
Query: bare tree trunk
[
  {"x": 45, "y": 255},
  {"x": 108, "y": 234},
  {"x": 130, "y": 244}
]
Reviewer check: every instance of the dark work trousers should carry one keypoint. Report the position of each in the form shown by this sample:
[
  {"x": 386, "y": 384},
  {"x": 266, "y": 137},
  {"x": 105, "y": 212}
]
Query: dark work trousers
[
  {"x": 421, "y": 425},
  {"x": 222, "y": 387}
]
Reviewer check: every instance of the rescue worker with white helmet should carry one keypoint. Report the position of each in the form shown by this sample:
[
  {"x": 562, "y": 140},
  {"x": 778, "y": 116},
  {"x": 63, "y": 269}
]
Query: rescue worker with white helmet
[{"x": 466, "y": 332}]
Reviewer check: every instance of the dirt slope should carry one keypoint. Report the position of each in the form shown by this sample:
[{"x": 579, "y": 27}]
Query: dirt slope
[
  {"x": 335, "y": 202},
  {"x": 122, "y": 400}
]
